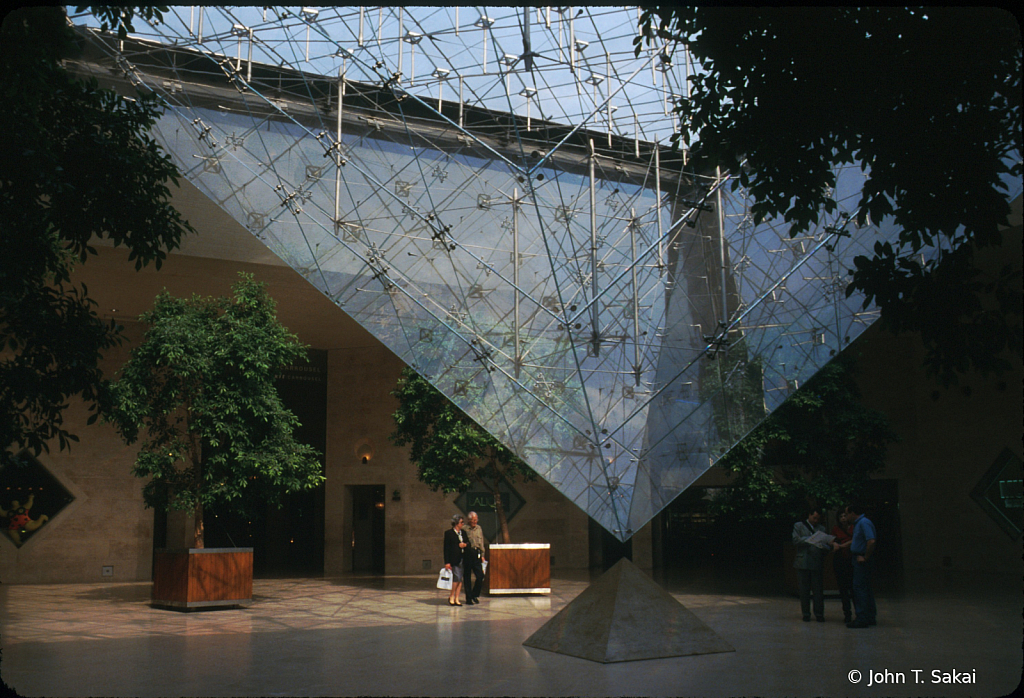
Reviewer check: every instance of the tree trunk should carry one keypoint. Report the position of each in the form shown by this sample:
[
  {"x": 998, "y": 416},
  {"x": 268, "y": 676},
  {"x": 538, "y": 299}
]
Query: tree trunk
[
  {"x": 199, "y": 540},
  {"x": 499, "y": 507}
]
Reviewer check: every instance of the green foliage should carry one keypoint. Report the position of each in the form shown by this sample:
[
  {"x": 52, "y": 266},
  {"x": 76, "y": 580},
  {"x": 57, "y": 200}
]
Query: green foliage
[
  {"x": 200, "y": 391},
  {"x": 818, "y": 447},
  {"x": 111, "y": 16},
  {"x": 450, "y": 450},
  {"x": 734, "y": 386},
  {"x": 78, "y": 163},
  {"x": 927, "y": 101}
]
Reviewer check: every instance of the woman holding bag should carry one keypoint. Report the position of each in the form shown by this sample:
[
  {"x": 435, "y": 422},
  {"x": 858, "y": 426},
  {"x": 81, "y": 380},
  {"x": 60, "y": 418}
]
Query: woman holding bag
[{"x": 454, "y": 543}]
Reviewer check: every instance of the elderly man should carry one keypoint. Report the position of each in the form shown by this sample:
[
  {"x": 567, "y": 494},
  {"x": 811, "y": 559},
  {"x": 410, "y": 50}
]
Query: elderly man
[{"x": 473, "y": 559}]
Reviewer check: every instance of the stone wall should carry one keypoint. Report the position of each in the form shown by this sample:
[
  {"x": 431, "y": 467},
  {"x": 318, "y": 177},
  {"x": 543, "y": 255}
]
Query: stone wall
[
  {"x": 107, "y": 525},
  {"x": 950, "y": 439}
]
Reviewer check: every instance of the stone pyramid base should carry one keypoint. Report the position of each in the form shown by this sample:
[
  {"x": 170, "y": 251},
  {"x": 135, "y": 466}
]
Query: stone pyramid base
[{"x": 625, "y": 616}]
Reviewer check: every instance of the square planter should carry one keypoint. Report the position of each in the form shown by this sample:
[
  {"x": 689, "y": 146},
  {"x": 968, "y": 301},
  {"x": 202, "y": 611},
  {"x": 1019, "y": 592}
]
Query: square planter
[
  {"x": 202, "y": 577},
  {"x": 519, "y": 568}
]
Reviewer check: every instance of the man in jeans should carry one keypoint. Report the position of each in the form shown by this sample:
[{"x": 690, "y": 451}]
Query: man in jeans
[{"x": 862, "y": 548}]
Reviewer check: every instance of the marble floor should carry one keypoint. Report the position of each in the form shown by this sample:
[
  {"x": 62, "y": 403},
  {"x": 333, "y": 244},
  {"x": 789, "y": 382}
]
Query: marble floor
[{"x": 398, "y": 636}]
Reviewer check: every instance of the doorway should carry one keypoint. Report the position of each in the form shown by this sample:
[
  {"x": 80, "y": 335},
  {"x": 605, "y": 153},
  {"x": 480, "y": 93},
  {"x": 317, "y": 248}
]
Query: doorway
[
  {"x": 883, "y": 503},
  {"x": 286, "y": 541},
  {"x": 368, "y": 528}
]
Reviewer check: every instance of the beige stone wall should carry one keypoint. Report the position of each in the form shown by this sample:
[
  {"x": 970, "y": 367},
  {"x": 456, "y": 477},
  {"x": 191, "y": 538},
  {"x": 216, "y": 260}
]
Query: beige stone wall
[
  {"x": 106, "y": 525},
  {"x": 950, "y": 438},
  {"x": 359, "y": 414}
]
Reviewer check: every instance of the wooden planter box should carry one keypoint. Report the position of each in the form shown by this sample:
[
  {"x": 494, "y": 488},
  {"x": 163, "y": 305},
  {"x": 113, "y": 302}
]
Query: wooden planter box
[
  {"x": 519, "y": 568},
  {"x": 202, "y": 577}
]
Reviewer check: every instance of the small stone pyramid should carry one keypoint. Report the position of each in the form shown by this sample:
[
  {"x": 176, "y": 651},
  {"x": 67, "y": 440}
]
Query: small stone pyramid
[{"x": 625, "y": 616}]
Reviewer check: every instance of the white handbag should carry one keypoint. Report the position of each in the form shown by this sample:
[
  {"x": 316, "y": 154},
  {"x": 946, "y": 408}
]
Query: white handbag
[{"x": 444, "y": 579}]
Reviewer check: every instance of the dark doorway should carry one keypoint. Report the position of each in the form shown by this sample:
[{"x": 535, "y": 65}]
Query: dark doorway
[
  {"x": 286, "y": 541},
  {"x": 686, "y": 532},
  {"x": 722, "y": 553},
  {"x": 606, "y": 549},
  {"x": 882, "y": 500},
  {"x": 368, "y": 528}
]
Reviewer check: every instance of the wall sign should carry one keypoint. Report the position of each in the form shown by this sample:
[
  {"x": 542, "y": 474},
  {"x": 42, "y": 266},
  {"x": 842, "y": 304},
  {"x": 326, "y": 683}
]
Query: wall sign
[
  {"x": 30, "y": 496},
  {"x": 479, "y": 499}
]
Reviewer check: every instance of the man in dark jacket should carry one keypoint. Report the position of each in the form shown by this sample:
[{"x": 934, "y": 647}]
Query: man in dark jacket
[{"x": 810, "y": 557}]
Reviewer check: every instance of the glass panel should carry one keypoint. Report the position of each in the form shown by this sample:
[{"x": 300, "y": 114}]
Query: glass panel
[{"x": 500, "y": 209}]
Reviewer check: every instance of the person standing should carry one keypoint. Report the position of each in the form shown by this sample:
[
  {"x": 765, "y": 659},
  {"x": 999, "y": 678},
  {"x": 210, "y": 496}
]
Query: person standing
[
  {"x": 454, "y": 544},
  {"x": 862, "y": 549},
  {"x": 810, "y": 558},
  {"x": 842, "y": 563},
  {"x": 473, "y": 558}
]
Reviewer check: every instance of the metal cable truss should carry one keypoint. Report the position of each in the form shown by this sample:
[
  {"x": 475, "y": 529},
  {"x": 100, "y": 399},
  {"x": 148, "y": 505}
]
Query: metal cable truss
[{"x": 488, "y": 193}]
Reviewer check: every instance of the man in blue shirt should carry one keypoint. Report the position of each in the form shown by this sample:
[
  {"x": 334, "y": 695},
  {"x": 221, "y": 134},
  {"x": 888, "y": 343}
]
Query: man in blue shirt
[{"x": 862, "y": 547}]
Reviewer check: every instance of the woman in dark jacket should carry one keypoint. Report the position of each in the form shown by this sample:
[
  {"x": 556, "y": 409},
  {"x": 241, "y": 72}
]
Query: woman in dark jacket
[{"x": 454, "y": 543}]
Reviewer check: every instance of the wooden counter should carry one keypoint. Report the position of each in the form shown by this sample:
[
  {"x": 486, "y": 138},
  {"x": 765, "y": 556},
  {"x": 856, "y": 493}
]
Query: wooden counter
[{"x": 519, "y": 568}]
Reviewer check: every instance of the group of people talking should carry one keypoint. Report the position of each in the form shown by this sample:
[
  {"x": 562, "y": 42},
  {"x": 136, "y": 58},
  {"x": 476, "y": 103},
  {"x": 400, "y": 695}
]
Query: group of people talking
[
  {"x": 465, "y": 557},
  {"x": 852, "y": 540}
]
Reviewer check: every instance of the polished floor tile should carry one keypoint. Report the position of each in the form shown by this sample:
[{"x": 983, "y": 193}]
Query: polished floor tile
[{"x": 398, "y": 636}]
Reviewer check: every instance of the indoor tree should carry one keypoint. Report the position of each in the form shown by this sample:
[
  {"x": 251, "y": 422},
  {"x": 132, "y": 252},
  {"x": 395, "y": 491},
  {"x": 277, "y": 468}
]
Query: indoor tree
[
  {"x": 78, "y": 163},
  {"x": 450, "y": 450},
  {"x": 818, "y": 448},
  {"x": 199, "y": 393}
]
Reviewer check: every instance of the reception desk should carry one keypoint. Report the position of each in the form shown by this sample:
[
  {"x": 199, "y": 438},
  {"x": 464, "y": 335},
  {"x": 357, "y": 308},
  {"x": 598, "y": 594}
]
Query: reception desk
[{"x": 519, "y": 568}]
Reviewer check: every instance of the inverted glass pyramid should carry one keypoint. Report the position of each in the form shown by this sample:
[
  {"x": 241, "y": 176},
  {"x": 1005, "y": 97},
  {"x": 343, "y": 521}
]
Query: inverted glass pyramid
[{"x": 493, "y": 203}]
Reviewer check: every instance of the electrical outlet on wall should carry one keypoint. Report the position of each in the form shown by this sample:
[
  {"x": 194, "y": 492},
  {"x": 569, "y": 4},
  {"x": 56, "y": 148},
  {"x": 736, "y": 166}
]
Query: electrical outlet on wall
[
  {"x": 426, "y": 564},
  {"x": 108, "y": 570}
]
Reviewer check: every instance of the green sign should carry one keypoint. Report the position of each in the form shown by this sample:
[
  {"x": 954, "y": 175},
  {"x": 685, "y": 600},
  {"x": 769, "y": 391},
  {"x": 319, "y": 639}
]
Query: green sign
[
  {"x": 484, "y": 501},
  {"x": 479, "y": 499}
]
